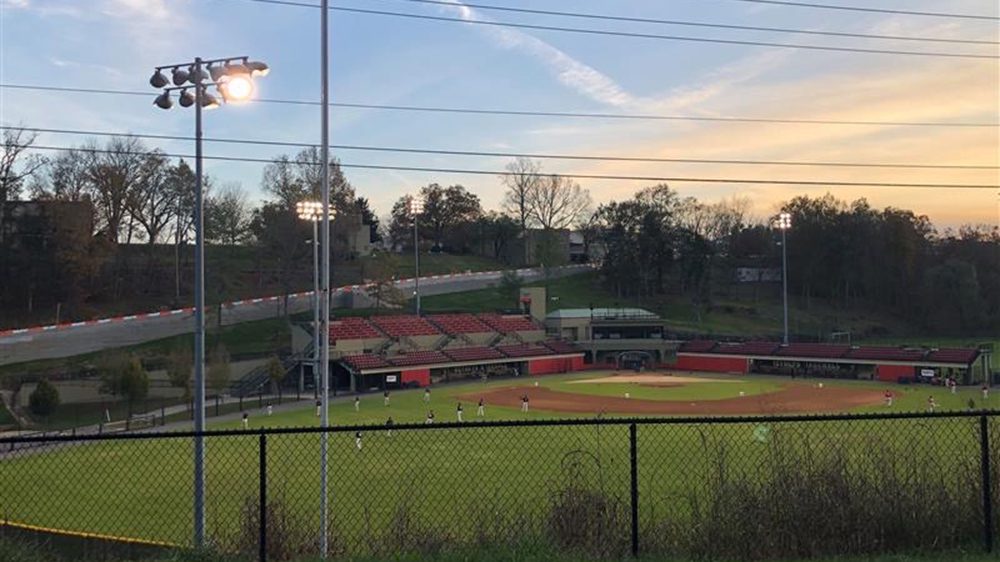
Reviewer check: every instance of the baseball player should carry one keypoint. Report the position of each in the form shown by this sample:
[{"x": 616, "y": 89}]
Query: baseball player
[
  {"x": 524, "y": 403},
  {"x": 481, "y": 409},
  {"x": 270, "y": 409},
  {"x": 931, "y": 404},
  {"x": 388, "y": 425},
  {"x": 357, "y": 403},
  {"x": 888, "y": 398},
  {"x": 430, "y": 417},
  {"x": 427, "y": 395},
  {"x": 385, "y": 398},
  {"x": 319, "y": 406},
  {"x": 357, "y": 440},
  {"x": 246, "y": 421},
  {"x": 986, "y": 392},
  {"x": 458, "y": 412},
  {"x": 952, "y": 384}
]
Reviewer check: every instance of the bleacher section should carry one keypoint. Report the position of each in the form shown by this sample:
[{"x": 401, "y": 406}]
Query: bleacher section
[
  {"x": 698, "y": 346},
  {"x": 952, "y": 356},
  {"x": 418, "y": 358},
  {"x": 506, "y": 324},
  {"x": 352, "y": 328},
  {"x": 747, "y": 348},
  {"x": 885, "y": 354},
  {"x": 525, "y": 350},
  {"x": 405, "y": 325},
  {"x": 944, "y": 355},
  {"x": 813, "y": 350},
  {"x": 474, "y": 353},
  {"x": 459, "y": 323},
  {"x": 365, "y": 361}
]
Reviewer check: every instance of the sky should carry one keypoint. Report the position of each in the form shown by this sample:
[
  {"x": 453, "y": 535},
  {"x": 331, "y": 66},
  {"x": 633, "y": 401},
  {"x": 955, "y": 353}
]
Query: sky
[{"x": 384, "y": 60}]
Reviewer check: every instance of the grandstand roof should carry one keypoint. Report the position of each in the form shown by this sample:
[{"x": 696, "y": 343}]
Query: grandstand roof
[{"x": 460, "y": 355}]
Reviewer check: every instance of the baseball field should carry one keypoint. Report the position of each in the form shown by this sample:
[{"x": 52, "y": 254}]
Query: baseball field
[{"x": 402, "y": 488}]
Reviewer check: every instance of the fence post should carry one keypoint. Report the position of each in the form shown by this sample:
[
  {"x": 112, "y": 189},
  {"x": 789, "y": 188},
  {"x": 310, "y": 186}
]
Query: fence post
[
  {"x": 262, "y": 540},
  {"x": 635, "y": 489},
  {"x": 984, "y": 446}
]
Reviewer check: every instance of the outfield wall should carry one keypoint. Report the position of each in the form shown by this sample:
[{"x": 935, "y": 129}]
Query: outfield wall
[
  {"x": 891, "y": 373},
  {"x": 548, "y": 366},
  {"x": 689, "y": 362}
]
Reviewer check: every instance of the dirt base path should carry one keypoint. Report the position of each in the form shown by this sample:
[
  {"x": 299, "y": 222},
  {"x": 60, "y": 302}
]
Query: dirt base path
[{"x": 792, "y": 399}]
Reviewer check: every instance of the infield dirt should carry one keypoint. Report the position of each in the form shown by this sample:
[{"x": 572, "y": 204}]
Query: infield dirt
[{"x": 791, "y": 399}]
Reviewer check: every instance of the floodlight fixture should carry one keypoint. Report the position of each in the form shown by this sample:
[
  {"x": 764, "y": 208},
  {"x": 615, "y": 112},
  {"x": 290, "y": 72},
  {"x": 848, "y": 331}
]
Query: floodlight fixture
[
  {"x": 163, "y": 101},
  {"x": 158, "y": 80}
]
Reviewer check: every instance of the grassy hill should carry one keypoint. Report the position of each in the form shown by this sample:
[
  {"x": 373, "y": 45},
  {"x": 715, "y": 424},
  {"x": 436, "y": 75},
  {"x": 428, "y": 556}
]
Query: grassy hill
[{"x": 232, "y": 273}]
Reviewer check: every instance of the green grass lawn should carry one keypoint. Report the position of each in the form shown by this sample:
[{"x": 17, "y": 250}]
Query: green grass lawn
[{"x": 444, "y": 480}]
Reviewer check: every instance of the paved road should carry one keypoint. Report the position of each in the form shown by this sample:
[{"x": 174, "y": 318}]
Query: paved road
[{"x": 84, "y": 337}]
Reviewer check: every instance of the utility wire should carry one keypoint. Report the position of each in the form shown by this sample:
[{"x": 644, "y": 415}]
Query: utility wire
[
  {"x": 578, "y": 157},
  {"x": 874, "y": 10},
  {"x": 519, "y": 113},
  {"x": 636, "y": 35},
  {"x": 607, "y": 17},
  {"x": 575, "y": 176}
]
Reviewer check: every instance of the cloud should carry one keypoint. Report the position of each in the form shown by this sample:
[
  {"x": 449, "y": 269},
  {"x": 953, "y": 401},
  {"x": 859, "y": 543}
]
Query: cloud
[
  {"x": 934, "y": 91},
  {"x": 580, "y": 77}
]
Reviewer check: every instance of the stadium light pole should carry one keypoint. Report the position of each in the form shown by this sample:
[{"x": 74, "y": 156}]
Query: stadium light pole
[
  {"x": 312, "y": 211},
  {"x": 324, "y": 327},
  {"x": 233, "y": 79},
  {"x": 784, "y": 223},
  {"x": 416, "y": 207}
]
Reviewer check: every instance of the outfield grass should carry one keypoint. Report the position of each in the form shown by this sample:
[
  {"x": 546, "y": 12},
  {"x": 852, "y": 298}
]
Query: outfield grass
[{"x": 444, "y": 480}]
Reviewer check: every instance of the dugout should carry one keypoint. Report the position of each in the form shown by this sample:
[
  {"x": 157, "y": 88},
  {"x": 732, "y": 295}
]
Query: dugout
[{"x": 890, "y": 364}]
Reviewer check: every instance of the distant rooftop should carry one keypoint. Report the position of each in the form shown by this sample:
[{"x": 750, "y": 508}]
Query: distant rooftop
[{"x": 602, "y": 313}]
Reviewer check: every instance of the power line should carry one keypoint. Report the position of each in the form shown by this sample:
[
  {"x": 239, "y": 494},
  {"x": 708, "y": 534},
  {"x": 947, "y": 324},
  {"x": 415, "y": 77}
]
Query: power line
[
  {"x": 636, "y": 35},
  {"x": 875, "y": 10},
  {"x": 607, "y": 17},
  {"x": 524, "y": 113},
  {"x": 496, "y": 154},
  {"x": 575, "y": 176}
]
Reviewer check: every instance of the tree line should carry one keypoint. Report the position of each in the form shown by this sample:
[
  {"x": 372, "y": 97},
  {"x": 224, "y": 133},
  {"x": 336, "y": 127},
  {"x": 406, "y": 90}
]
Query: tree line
[{"x": 656, "y": 243}]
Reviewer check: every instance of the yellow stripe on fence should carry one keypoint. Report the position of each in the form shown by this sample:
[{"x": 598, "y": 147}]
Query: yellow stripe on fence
[{"x": 87, "y": 535}]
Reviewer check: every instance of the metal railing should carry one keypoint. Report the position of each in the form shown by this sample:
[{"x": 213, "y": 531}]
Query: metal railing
[{"x": 749, "y": 488}]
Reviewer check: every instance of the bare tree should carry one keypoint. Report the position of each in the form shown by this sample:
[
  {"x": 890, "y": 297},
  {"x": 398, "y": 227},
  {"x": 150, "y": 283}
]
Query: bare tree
[
  {"x": 281, "y": 182},
  {"x": 15, "y": 167},
  {"x": 151, "y": 202},
  {"x": 116, "y": 173},
  {"x": 63, "y": 178},
  {"x": 557, "y": 202},
  {"x": 227, "y": 215},
  {"x": 522, "y": 181}
]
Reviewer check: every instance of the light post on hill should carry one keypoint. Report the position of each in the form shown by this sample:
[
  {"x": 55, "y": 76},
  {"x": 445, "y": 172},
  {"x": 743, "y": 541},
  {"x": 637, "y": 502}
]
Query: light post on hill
[
  {"x": 416, "y": 207},
  {"x": 783, "y": 223},
  {"x": 312, "y": 211},
  {"x": 233, "y": 79}
]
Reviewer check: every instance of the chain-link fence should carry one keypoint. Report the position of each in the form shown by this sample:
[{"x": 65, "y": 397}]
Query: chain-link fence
[{"x": 716, "y": 488}]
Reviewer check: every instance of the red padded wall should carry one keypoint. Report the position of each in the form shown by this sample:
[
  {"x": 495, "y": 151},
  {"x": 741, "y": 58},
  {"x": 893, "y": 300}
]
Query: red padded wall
[
  {"x": 891, "y": 373},
  {"x": 421, "y": 376},
  {"x": 712, "y": 364}
]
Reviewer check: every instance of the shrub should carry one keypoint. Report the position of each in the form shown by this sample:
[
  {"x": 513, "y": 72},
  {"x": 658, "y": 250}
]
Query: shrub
[
  {"x": 44, "y": 400},
  {"x": 583, "y": 517},
  {"x": 289, "y": 536},
  {"x": 808, "y": 500}
]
